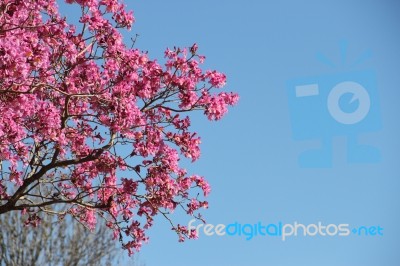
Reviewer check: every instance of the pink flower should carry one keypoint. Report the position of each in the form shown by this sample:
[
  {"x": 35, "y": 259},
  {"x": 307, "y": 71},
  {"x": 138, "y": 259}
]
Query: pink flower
[{"x": 216, "y": 79}]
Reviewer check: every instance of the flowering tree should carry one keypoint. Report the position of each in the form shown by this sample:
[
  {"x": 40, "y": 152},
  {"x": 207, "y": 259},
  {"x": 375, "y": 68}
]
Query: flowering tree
[{"x": 94, "y": 127}]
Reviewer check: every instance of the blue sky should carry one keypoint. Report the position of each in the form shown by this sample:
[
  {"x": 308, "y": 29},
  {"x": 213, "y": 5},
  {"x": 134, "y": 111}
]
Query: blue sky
[{"x": 251, "y": 157}]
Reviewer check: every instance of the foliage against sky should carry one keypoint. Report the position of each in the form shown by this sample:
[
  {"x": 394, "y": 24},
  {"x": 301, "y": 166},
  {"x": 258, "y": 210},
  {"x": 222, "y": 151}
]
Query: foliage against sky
[{"x": 74, "y": 98}]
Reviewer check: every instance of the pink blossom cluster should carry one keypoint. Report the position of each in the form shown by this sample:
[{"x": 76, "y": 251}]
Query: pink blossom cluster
[{"x": 95, "y": 126}]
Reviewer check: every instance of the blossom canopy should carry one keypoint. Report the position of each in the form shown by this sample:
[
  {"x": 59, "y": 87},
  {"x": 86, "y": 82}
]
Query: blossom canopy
[{"x": 95, "y": 127}]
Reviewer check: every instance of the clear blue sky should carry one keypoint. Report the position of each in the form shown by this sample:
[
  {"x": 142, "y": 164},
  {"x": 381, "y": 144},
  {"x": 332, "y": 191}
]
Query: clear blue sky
[{"x": 251, "y": 157}]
